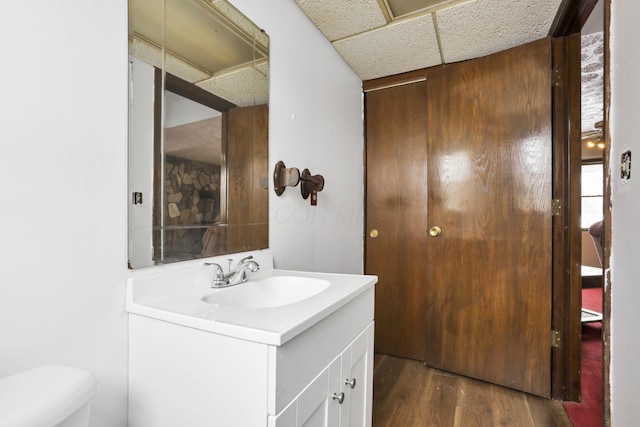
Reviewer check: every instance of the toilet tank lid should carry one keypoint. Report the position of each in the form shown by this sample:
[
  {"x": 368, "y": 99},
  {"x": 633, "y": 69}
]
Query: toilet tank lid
[{"x": 45, "y": 395}]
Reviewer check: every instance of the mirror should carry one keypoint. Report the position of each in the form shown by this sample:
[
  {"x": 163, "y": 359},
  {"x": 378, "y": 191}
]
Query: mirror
[{"x": 198, "y": 131}]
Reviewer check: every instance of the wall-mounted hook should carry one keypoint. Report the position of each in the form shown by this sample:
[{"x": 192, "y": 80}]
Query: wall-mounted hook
[
  {"x": 310, "y": 183},
  {"x": 283, "y": 177}
]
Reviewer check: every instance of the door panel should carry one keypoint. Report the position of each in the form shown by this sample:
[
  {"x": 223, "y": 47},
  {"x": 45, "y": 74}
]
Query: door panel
[
  {"x": 396, "y": 209},
  {"x": 316, "y": 407},
  {"x": 490, "y": 176},
  {"x": 356, "y": 381},
  {"x": 247, "y": 163}
]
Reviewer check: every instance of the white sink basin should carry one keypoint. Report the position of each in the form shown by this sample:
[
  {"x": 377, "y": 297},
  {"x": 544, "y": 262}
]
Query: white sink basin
[
  {"x": 274, "y": 291},
  {"x": 273, "y": 307}
]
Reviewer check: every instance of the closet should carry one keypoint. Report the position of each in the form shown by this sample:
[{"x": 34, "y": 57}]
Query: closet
[{"x": 459, "y": 217}]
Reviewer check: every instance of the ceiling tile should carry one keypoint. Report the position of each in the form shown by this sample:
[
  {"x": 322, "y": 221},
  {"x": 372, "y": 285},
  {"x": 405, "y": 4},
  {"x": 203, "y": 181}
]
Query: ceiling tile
[
  {"x": 243, "y": 86},
  {"x": 338, "y": 18},
  {"x": 404, "y": 7},
  {"x": 398, "y": 47},
  {"x": 482, "y": 27}
]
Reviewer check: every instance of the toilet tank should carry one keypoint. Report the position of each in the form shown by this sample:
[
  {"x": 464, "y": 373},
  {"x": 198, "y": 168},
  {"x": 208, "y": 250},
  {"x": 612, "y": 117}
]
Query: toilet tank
[{"x": 46, "y": 396}]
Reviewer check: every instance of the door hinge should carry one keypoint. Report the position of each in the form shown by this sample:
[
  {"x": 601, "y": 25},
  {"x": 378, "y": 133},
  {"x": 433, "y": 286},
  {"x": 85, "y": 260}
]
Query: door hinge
[
  {"x": 556, "y": 339},
  {"x": 556, "y": 207},
  {"x": 557, "y": 77}
]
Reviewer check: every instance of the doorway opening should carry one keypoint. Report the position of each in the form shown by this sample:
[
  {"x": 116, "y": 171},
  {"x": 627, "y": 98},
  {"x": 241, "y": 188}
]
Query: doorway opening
[{"x": 589, "y": 411}]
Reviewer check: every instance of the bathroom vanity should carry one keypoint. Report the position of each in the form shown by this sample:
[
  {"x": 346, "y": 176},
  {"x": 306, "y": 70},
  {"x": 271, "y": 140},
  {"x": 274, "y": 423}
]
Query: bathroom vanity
[{"x": 299, "y": 353}]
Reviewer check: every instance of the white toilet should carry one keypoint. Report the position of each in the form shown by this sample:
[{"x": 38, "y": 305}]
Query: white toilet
[{"x": 47, "y": 396}]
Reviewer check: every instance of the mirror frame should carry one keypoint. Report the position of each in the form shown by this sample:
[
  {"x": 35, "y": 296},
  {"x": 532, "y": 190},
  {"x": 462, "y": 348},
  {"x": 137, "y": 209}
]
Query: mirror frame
[{"x": 194, "y": 93}]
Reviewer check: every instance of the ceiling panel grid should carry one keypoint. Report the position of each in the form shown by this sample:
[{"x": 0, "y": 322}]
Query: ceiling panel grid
[{"x": 379, "y": 38}]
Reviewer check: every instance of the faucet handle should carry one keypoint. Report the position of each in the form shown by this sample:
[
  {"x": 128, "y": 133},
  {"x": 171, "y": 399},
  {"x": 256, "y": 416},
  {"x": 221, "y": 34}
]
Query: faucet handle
[
  {"x": 218, "y": 274},
  {"x": 243, "y": 260}
]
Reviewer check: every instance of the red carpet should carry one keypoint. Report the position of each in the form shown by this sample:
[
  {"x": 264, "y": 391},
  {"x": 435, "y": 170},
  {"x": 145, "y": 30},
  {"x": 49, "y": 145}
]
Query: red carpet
[{"x": 588, "y": 413}]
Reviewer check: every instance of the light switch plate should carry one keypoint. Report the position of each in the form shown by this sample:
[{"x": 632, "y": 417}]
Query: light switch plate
[
  {"x": 625, "y": 166},
  {"x": 136, "y": 198}
]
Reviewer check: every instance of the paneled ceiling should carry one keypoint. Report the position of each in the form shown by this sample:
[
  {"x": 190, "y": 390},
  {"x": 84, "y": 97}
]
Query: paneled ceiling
[{"x": 379, "y": 38}]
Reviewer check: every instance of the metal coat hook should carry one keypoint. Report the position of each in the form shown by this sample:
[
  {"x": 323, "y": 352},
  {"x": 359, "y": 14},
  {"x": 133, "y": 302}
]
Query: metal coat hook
[
  {"x": 283, "y": 177},
  {"x": 290, "y": 177},
  {"x": 310, "y": 183}
]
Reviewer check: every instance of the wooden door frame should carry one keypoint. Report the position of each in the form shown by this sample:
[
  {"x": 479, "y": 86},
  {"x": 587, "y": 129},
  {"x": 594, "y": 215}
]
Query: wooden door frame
[
  {"x": 568, "y": 22},
  {"x": 566, "y": 28},
  {"x": 606, "y": 314},
  {"x": 567, "y": 245}
]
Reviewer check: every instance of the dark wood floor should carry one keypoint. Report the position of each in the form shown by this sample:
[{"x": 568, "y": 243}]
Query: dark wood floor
[{"x": 406, "y": 394}]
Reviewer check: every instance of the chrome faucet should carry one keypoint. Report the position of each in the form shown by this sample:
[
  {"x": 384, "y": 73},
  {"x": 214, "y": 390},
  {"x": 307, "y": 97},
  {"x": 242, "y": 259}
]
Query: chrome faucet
[{"x": 233, "y": 277}]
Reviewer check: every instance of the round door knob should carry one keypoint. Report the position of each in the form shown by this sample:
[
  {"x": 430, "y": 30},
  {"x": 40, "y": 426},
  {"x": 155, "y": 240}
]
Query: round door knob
[
  {"x": 373, "y": 233},
  {"x": 435, "y": 231},
  {"x": 339, "y": 397},
  {"x": 350, "y": 382}
]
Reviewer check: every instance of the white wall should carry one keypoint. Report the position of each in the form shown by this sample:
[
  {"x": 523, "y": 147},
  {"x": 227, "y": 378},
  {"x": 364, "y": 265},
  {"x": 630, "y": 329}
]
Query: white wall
[
  {"x": 63, "y": 192},
  {"x": 316, "y": 122},
  {"x": 63, "y": 184},
  {"x": 625, "y": 268}
]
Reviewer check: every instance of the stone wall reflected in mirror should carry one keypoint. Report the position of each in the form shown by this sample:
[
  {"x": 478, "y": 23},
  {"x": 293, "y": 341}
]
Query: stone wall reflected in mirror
[{"x": 198, "y": 131}]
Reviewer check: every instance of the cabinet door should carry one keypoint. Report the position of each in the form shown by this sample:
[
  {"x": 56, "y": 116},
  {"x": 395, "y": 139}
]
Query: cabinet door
[
  {"x": 357, "y": 379},
  {"x": 315, "y": 406}
]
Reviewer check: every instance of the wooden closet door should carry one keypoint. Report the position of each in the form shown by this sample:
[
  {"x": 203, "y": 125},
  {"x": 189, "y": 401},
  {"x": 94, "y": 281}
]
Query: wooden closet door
[
  {"x": 396, "y": 216},
  {"x": 489, "y": 168}
]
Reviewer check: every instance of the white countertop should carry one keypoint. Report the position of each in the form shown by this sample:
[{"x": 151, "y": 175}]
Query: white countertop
[{"x": 177, "y": 297}]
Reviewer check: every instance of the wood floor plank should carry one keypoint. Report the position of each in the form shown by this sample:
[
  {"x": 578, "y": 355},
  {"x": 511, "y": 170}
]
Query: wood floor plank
[
  {"x": 474, "y": 408},
  {"x": 509, "y": 407},
  {"x": 440, "y": 393},
  {"x": 386, "y": 372},
  {"x": 408, "y": 394},
  {"x": 547, "y": 412}
]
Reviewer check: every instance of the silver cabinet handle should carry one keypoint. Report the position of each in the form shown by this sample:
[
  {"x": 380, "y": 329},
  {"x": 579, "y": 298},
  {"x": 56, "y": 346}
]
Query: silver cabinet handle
[
  {"x": 339, "y": 397},
  {"x": 350, "y": 382}
]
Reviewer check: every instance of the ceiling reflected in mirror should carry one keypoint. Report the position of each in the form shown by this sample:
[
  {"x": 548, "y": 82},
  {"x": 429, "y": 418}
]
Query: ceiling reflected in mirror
[
  {"x": 195, "y": 135},
  {"x": 223, "y": 52}
]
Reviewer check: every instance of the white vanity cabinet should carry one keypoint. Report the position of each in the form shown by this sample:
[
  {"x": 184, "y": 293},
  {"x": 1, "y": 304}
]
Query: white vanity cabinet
[
  {"x": 186, "y": 376},
  {"x": 340, "y": 395}
]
